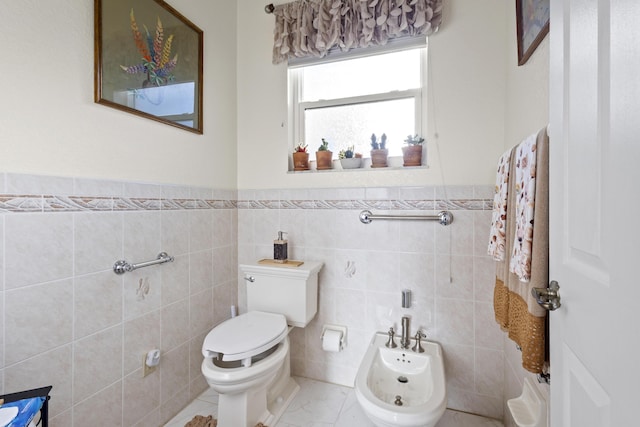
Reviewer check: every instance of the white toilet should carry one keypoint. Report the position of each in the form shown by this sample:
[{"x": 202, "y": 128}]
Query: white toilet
[{"x": 246, "y": 358}]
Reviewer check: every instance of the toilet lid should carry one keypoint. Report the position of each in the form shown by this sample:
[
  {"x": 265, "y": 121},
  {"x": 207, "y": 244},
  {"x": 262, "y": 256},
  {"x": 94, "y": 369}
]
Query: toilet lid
[{"x": 245, "y": 336}]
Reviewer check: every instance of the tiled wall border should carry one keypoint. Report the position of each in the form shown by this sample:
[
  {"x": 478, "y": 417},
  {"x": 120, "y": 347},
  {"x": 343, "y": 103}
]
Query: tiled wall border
[
  {"x": 34, "y": 203},
  {"x": 24, "y": 193},
  {"x": 49, "y": 203},
  {"x": 459, "y": 204}
]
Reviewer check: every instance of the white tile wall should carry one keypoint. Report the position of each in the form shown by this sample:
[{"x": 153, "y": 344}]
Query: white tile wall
[
  {"x": 97, "y": 362},
  {"x": 68, "y": 320},
  {"x": 445, "y": 267},
  {"x": 38, "y": 248},
  {"x": 37, "y": 318},
  {"x": 102, "y": 408}
]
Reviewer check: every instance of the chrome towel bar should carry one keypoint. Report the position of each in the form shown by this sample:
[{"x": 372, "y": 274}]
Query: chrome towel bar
[
  {"x": 443, "y": 217},
  {"x": 122, "y": 266}
]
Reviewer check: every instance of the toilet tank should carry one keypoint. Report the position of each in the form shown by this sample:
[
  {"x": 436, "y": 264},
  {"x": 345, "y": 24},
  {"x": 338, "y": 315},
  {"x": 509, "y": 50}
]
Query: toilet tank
[{"x": 288, "y": 290}]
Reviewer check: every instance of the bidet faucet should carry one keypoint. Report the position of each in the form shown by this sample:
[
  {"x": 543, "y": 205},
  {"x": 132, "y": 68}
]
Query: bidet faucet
[{"x": 405, "y": 342}]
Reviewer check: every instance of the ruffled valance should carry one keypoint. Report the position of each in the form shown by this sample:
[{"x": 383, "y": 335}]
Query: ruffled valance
[{"x": 312, "y": 27}]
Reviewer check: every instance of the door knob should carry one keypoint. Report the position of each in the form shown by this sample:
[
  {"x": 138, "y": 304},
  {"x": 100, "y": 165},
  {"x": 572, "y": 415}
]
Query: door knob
[{"x": 549, "y": 298}]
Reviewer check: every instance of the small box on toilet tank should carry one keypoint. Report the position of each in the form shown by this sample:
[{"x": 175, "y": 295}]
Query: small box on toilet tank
[{"x": 292, "y": 291}]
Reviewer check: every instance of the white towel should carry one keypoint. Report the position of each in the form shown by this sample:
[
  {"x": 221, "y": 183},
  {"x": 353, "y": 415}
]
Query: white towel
[
  {"x": 499, "y": 215},
  {"x": 525, "y": 171}
]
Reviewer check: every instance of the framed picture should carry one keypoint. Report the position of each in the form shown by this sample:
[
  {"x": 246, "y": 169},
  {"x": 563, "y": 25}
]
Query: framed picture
[
  {"x": 532, "y": 21},
  {"x": 148, "y": 61}
]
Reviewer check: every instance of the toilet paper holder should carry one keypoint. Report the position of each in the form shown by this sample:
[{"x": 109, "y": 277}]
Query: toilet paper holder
[{"x": 336, "y": 328}]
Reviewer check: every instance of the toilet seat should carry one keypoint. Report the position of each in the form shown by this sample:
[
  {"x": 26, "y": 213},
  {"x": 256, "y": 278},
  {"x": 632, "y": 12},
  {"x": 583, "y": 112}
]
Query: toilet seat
[{"x": 245, "y": 336}]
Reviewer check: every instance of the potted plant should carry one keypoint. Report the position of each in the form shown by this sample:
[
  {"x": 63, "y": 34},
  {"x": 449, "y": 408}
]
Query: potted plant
[
  {"x": 379, "y": 151},
  {"x": 412, "y": 153},
  {"x": 324, "y": 156},
  {"x": 300, "y": 157},
  {"x": 350, "y": 159}
]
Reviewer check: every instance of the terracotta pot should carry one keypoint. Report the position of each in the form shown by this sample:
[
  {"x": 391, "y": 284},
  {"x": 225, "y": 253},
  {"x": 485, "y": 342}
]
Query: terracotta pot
[
  {"x": 412, "y": 155},
  {"x": 379, "y": 158},
  {"x": 300, "y": 161},
  {"x": 323, "y": 160}
]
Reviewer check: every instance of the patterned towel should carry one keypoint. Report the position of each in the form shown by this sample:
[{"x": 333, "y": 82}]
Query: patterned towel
[
  {"x": 525, "y": 171},
  {"x": 499, "y": 216},
  {"x": 516, "y": 310}
]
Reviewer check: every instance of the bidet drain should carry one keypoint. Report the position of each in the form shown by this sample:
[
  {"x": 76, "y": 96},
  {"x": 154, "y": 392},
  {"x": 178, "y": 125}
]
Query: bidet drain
[{"x": 403, "y": 379}]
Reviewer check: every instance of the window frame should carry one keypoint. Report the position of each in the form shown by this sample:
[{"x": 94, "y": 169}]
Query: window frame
[{"x": 297, "y": 108}]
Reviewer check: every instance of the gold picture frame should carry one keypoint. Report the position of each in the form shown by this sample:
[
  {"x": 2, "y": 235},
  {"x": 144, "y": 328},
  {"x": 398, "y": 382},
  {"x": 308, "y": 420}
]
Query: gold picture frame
[{"x": 148, "y": 62}]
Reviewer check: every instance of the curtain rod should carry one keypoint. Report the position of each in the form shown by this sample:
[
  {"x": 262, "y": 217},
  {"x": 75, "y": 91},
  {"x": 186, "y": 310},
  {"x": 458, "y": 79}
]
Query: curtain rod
[{"x": 269, "y": 8}]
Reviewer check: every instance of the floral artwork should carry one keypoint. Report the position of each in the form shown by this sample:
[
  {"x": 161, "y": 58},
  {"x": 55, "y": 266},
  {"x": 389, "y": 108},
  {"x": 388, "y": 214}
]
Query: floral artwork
[
  {"x": 533, "y": 25},
  {"x": 149, "y": 62},
  {"x": 155, "y": 53}
]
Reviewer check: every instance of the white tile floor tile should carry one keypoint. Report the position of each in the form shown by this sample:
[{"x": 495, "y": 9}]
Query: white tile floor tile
[{"x": 320, "y": 404}]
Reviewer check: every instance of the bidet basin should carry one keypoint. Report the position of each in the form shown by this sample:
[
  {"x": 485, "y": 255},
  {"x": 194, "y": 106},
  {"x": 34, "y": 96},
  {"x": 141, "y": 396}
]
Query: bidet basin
[
  {"x": 398, "y": 387},
  {"x": 400, "y": 373}
]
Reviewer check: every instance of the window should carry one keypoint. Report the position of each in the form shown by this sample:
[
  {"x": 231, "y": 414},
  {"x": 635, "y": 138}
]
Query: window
[{"x": 346, "y": 101}]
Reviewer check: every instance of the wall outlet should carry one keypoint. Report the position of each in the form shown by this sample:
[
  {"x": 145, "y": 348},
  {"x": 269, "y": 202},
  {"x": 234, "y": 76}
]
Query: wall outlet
[{"x": 146, "y": 369}]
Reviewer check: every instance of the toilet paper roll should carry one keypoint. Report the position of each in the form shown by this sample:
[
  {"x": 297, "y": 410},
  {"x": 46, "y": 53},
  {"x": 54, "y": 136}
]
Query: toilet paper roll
[{"x": 331, "y": 340}]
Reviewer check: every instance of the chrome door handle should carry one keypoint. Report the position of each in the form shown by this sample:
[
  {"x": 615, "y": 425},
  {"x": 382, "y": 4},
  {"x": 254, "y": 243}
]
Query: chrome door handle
[
  {"x": 549, "y": 298},
  {"x": 250, "y": 279}
]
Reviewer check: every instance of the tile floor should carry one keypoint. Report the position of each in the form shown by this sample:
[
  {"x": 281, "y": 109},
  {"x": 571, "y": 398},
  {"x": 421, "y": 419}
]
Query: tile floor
[{"x": 320, "y": 404}]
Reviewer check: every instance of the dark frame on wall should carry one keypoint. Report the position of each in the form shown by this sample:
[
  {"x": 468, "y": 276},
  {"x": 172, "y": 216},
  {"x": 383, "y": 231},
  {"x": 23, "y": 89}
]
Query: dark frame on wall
[
  {"x": 532, "y": 22},
  {"x": 148, "y": 62}
]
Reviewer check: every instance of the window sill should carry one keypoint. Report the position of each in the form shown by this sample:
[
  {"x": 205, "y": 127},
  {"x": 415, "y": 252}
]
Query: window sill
[{"x": 394, "y": 164}]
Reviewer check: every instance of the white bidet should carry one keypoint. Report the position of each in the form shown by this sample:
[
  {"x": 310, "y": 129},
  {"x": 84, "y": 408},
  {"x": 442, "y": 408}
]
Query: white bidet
[{"x": 401, "y": 388}]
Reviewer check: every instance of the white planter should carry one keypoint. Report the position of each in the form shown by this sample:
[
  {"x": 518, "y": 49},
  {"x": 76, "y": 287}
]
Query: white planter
[{"x": 352, "y": 163}]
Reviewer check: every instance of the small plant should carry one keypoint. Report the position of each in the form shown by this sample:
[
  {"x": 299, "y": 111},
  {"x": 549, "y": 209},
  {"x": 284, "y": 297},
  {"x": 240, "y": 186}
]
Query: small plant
[
  {"x": 379, "y": 145},
  {"x": 300, "y": 148},
  {"x": 414, "y": 140},
  {"x": 324, "y": 146},
  {"x": 374, "y": 142},
  {"x": 379, "y": 152},
  {"x": 346, "y": 154}
]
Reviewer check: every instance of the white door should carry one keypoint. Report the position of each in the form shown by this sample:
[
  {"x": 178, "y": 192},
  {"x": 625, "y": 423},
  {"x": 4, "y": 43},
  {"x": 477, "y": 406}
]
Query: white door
[{"x": 595, "y": 212}]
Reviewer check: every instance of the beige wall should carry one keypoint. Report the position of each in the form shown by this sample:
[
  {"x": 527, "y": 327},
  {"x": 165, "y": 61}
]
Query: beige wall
[
  {"x": 50, "y": 125},
  {"x": 467, "y": 100},
  {"x": 527, "y": 88}
]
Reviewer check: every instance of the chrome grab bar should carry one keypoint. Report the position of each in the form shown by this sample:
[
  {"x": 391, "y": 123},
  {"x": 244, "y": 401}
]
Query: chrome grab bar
[
  {"x": 122, "y": 266},
  {"x": 443, "y": 217}
]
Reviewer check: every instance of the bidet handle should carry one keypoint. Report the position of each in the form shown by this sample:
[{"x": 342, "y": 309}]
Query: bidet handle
[
  {"x": 418, "y": 347},
  {"x": 391, "y": 343}
]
